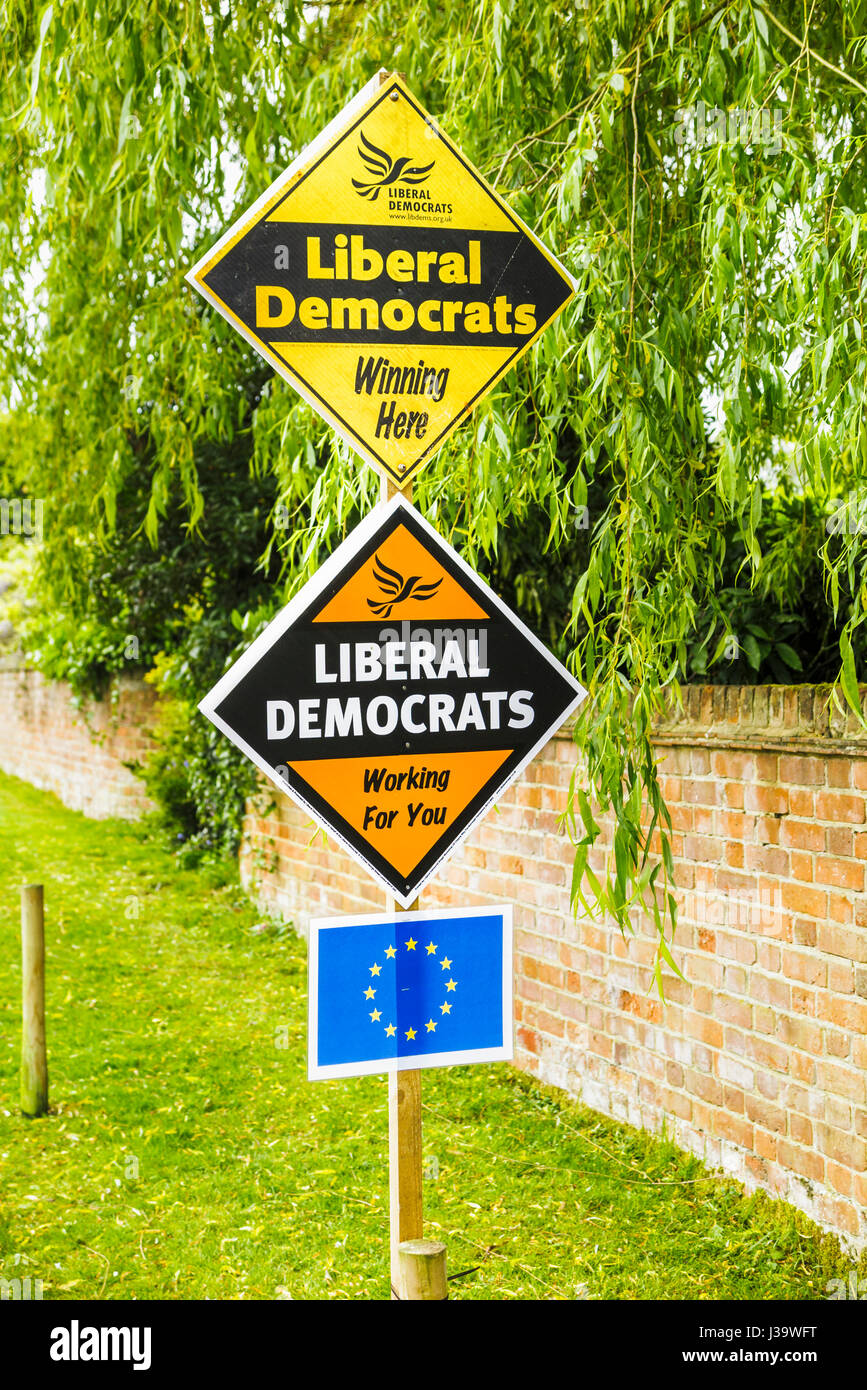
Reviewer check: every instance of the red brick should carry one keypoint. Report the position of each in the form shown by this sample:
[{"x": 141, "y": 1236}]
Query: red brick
[
  {"x": 800, "y": 1033},
  {"x": 763, "y": 1113},
  {"x": 803, "y": 1068},
  {"x": 840, "y": 909},
  {"x": 706, "y": 1030},
  {"x": 729, "y": 763},
  {"x": 807, "y": 902},
  {"x": 769, "y": 957},
  {"x": 837, "y": 806},
  {"x": 804, "y": 931},
  {"x": 841, "y": 873},
  {"x": 809, "y": 969},
  {"x": 841, "y": 977},
  {"x": 838, "y": 1113},
  {"x": 839, "y": 772},
  {"x": 804, "y": 1161},
  {"x": 801, "y": 802},
  {"x": 775, "y": 992},
  {"x": 732, "y": 1128},
  {"x": 841, "y": 1147},
  {"x": 769, "y": 800},
  {"x": 840, "y": 1178},
  {"x": 807, "y": 771},
  {"x": 768, "y": 859},
  {"x": 802, "y": 834},
  {"x": 528, "y": 1040},
  {"x": 847, "y": 1011},
  {"x": 734, "y": 1011},
  {"x": 767, "y": 767},
  {"x": 840, "y": 1080},
  {"x": 769, "y": 1054},
  {"x": 706, "y": 849},
  {"x": 843, "y": 941},
  {"x": 841, "y": 841},
  {"x": 804, "y": 1001},
  {"x": 766, "y": 1145}
]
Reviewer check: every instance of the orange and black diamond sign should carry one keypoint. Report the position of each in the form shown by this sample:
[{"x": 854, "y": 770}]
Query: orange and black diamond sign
[
  {"x": 395, "y": 698},
  {"x": 385, "y": 279}
]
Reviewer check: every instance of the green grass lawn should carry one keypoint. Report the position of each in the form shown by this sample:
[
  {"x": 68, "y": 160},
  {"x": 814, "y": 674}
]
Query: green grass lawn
[{"x": 187, "y": 1156}]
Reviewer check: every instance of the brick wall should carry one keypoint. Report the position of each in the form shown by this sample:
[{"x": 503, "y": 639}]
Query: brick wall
[
  {"x": 77, "y": 753},
  {"x": 758, "y": 1061}
]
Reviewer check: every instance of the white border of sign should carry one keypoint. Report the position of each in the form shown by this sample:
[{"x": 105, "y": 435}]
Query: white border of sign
[
  {"x": 327, "y": 572},
  {"x": 410, "y": 1062}
]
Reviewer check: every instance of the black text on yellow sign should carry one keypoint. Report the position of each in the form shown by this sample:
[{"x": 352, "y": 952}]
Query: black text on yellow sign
[{"x": 386, "y": 280}]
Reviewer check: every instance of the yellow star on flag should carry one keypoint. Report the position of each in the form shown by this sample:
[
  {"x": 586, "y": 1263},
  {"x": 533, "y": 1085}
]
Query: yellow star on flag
[
  {"x": 445, "y": 1008},
  {"x": 431, "y": 949},
  {"x": 411, "y": 945},
  {"x": 390, "y": 951},
  {"x": 451, "y": 984},
  {"x": 445, "y": 963},
  {"x": 410, "y": 1033},
  {"x": 430, "y": 1026},
  {"x": 375, "y": 969},
  {"x": 369, "y": 993},
  {"x": 376, "y": 1015},
  {"x": 390, "y": 1030}
]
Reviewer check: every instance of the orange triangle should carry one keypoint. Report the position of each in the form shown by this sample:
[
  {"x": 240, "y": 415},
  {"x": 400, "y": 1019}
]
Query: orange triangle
[
  {"x": 384, "y": 582},
  {"x": 341, "y": 782}
]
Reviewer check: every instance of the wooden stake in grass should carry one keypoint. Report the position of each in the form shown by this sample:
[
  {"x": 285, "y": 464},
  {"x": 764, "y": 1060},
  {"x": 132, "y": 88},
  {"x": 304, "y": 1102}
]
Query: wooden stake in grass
[
  {"x": 34, "y": 1068},
  {"x": 423, "y": 1270}
]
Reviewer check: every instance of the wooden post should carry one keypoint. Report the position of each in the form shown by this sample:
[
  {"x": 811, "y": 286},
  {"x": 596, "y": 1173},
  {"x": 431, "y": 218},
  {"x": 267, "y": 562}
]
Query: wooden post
[
  {"x": 404, "y": 1120},
  {"x": 423, "y": 1270},
  {"x": 404, "y": 1102},
  {"x": 404, "y": 1169},
  {"x": 34, "y": 1070}
]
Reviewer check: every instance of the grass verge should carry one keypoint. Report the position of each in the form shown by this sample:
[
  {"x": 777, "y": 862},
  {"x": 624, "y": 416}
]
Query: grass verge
[{"x": 187, "y": 1156}]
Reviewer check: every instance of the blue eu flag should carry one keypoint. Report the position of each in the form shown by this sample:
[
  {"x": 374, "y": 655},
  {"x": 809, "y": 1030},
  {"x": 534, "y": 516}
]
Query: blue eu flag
[{"x": 414, "y": 989}]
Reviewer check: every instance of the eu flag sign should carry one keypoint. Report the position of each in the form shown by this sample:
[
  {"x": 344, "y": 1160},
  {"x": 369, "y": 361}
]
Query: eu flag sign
[{"x": 393, "y": 991}]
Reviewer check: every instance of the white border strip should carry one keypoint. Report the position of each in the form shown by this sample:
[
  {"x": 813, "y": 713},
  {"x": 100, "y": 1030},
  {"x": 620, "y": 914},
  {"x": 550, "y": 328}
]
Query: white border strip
[{"x": 505, "y": 1053}]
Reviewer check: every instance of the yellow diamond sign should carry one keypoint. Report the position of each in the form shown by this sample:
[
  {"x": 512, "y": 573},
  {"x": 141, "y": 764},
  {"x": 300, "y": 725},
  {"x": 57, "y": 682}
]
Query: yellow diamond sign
[{"x": 385, "y": 279}]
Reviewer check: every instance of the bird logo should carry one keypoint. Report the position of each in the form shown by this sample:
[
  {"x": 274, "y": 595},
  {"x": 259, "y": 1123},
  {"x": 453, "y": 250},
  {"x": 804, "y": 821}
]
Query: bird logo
[
  {"x": 396, "y": 588},
  {"x": 386, "y": 170}
]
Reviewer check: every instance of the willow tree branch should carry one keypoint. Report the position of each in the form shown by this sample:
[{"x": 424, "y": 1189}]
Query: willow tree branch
[{"x": 811, "y": 52}]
